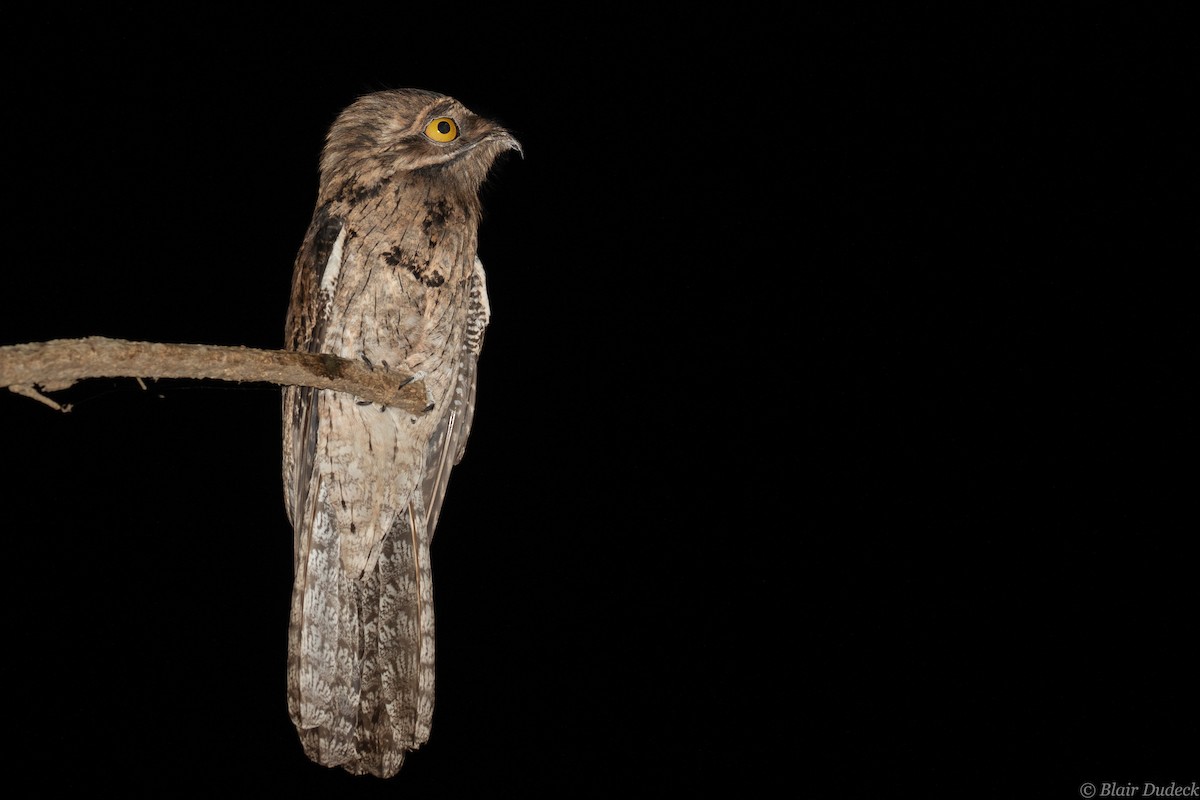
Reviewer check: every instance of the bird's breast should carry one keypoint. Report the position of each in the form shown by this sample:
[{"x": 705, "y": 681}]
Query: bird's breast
[{"x": 401, "y": 298}]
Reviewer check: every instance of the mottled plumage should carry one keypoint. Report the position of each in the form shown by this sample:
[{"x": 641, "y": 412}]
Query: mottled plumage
[{"x": 387, "y": 273}]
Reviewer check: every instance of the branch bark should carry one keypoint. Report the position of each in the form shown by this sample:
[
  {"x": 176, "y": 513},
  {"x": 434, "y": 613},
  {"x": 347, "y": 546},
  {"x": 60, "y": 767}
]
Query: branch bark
[{"x": 57, "y": 364}]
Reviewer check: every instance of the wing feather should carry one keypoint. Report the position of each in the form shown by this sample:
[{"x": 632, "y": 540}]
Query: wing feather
[{"x": 450, "y": 438}]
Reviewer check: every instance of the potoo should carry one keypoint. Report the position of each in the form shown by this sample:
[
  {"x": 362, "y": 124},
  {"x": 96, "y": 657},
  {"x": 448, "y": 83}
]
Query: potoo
[{"x": 387, "y": 273}]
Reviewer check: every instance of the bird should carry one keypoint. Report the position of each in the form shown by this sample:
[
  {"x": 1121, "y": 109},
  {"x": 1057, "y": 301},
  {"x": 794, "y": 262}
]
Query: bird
[{"x": 388, "y": 274}]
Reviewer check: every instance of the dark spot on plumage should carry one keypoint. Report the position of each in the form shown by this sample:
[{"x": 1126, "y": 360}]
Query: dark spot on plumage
[
  {"x": 354, "y": 192},
  {"x": 437, "y": 213},
  {"x": 327, "y": 232},
  {"x": 398, "y": 258},
  {"x": 418, "y": 267},
  {"x": 353, "y": 528}
]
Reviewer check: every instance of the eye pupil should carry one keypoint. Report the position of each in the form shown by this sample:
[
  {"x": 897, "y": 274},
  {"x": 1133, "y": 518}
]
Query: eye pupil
[{"x": 443, "y": 127}]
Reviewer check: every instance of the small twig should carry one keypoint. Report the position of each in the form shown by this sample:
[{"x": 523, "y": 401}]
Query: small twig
[
  {"x": 34, "y": 394},
  {"x": 55, "y": 365}
]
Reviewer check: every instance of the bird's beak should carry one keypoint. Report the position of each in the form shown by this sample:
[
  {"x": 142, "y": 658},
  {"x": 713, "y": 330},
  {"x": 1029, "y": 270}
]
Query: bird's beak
[{"x": 503, "y": 137}]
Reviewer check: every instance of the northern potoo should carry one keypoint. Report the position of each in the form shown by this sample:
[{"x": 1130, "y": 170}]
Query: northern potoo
[{"x": 388, "y": 274}]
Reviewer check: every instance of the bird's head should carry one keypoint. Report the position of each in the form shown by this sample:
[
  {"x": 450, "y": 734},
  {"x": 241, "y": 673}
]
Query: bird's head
[{"x": 411, "y": 130}]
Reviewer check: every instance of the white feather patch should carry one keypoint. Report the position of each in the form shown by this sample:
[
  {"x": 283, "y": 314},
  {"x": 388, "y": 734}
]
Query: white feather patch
[{"x": 333, "y": 266}]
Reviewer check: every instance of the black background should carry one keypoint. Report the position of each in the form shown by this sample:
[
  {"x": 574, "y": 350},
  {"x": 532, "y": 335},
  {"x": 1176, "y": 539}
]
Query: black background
[{"x": 832, "y": 428}]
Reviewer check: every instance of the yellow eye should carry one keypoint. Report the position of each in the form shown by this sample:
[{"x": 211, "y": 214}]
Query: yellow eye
[{"x": 442, "y": 129}]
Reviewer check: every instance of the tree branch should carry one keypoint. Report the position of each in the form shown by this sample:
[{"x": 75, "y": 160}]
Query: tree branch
[{"x": 55, "y": 365}]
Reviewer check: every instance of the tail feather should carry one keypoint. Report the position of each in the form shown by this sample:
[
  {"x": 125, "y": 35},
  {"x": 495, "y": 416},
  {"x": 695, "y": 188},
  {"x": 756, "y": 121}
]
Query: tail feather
[{"x": 360, "y": 665}]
